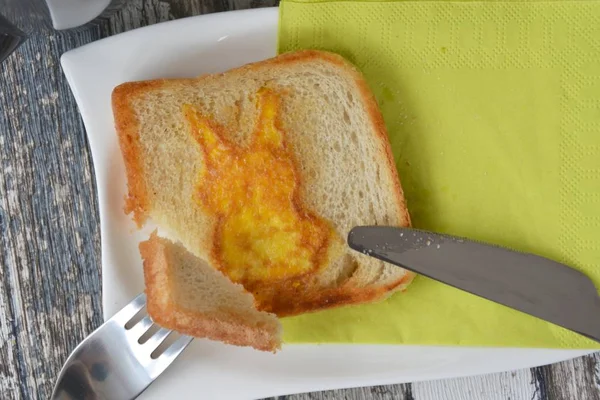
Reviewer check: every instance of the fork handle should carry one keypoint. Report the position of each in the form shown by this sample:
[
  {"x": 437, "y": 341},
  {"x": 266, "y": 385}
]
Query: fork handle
[
  {"x": 76, "y": 383},
  {"x": 98, "y": 369}
]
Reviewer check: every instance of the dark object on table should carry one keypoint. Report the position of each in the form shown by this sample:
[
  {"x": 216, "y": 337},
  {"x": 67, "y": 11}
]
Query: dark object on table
[{"x": 10, "y": 38}]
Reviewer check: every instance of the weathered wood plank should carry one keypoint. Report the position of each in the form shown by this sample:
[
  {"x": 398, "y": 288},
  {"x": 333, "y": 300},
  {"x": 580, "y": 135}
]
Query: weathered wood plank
[
  {"x": 49, "y": 233},
  {"x": 507, "y": 385},
  {"x": 572, "y": 379},
  {"x": 50, "y": 243},
  {"x": 389, "y": 392}
]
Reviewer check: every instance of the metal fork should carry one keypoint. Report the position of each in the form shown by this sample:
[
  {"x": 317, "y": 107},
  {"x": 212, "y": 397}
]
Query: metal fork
[{"x": 113, "y": 363}]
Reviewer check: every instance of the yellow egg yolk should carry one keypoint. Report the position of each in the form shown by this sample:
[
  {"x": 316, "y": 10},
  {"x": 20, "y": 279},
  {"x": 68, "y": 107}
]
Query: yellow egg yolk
[{"x": 263, "y": 231}]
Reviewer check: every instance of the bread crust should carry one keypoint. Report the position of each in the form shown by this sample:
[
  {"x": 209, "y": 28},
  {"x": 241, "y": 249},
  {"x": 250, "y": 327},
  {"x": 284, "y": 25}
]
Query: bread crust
[
  {"x": 290, "y": 302},
  {"x": 287, "y": 302},
  {"x": 226, "y": 327}
]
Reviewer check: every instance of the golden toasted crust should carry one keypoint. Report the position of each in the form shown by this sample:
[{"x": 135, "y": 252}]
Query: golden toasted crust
[
  {"x": 287, "y": 302},
  {"x": 225, "y": 327},
  {"x": 126, "y": 125},
  {"x": 367, "y": 98}
]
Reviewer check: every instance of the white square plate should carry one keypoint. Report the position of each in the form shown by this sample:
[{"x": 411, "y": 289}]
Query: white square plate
[{"x": 186, "y": 48}]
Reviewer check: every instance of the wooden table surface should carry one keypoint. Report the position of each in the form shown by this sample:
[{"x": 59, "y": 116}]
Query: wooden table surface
[{"x": 50, "y": 237}]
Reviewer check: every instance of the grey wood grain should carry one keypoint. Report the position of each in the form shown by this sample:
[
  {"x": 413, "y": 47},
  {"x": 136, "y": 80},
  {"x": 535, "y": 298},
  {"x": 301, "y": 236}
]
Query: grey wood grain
[
  {"x": 503, "y": 386},
  {"x": 50, "y": 239}
]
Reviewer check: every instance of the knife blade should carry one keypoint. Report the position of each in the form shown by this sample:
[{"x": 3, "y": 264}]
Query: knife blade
[{"x": 526, "y": 282}]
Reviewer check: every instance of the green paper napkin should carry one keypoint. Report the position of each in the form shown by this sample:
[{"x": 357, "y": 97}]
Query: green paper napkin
[{"x": 493, "y": 112}]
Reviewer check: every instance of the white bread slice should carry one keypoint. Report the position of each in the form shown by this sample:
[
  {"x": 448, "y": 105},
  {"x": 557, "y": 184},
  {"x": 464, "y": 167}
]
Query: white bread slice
[
  {"x": 184, "y": 293},
  {"x": 335, "y": 131}
]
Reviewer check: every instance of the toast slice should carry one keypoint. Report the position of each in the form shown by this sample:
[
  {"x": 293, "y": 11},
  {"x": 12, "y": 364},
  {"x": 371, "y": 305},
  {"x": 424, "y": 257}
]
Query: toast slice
[
  {"x": 184, "y": 293},
  {"x": 334, "y": 147}
]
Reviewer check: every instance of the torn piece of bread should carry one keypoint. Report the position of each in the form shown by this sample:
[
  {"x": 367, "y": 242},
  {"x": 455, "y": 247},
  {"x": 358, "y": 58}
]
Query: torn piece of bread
[
  {"x": 184, "y": 293},
  {"x": 321, "y": 130}
]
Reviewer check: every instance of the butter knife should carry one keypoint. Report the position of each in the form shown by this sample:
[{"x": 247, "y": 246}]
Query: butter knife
[{"x": 529, "y": 283}]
